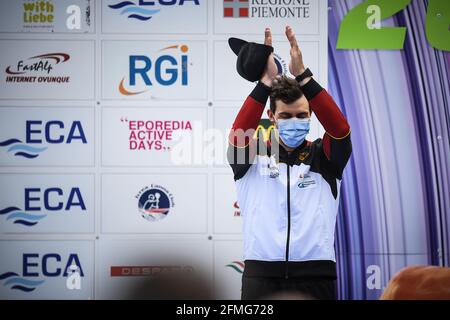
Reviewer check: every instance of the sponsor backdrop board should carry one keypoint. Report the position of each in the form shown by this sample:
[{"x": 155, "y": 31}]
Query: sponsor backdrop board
[{"x": 113, "y": 132}]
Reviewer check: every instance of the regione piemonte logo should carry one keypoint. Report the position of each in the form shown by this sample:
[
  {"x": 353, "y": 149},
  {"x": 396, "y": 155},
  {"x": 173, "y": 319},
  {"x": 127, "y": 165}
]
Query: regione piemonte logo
[
  {"x": 144, "y": 10},
  {"x": 266, "y": 9},
  {"x": 154, "y": 202},
  {"x": 168, "y": 66},
  {"x": 235, "y": 8}
]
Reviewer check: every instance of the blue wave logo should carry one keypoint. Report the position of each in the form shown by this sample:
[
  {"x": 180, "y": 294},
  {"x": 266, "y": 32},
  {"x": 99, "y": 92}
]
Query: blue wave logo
[
  {"x": 21, "y": 149},
  {"x": 134, "y": 11},
  {"x": 15, "y": 282},
  {"x": 18, "y": 216}
]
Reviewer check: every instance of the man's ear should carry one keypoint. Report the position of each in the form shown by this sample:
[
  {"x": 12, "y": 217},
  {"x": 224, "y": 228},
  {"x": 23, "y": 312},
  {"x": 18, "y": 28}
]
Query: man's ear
[
  {"x": 309, "y": 109},
  {"x": 270, "y": 115}
]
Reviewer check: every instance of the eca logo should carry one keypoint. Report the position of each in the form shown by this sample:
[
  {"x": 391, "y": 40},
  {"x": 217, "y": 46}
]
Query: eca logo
[
  {"x": 54, "y": 132},
  {"x": 38, "y": 202},
  {"x": 38, "y": 133},
  {"x": 36, "y": 268},
  {"x": 53, "y": 199},
  {"x": 144, "y": 10},
  {"x": 361, "y": 27},
  {"x": 168, "y": 68}
]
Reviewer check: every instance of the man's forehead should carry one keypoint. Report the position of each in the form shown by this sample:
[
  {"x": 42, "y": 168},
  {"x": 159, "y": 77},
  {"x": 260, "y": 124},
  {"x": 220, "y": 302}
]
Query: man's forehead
[{"x": 298, "y": 106}]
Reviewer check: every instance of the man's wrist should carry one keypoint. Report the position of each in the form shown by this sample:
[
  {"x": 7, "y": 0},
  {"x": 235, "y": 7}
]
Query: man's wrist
[
  {"x": 304, "y": 82},
  {"x": 267, "y": 81},
  {"x": 300, "y": 71},
  {"x": 304, "y": 77}
]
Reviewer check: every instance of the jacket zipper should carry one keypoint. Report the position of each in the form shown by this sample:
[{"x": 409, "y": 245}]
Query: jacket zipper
[{"x": 289, "y": 220}]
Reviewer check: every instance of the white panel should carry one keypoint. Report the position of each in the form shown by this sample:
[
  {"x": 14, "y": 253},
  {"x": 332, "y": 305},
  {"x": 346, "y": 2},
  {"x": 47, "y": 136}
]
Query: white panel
[
  {"x": 47, "y": 203},
  {"x": 227, "y": 217},
  {"x": 57, "y": 16},
  {"x": 39, "y": 69},
  {"x": 39, "y": 269},
  {"x": 228, "y": 268},
  {"x": 126, "y": 267},
  {"x": 186, "y": 211},
  {"x": 188, "y": 16},
  {"x": 45, "y": 136},
  {"x": 155, "y": 70},
  {"x": 146, "y": 136}
]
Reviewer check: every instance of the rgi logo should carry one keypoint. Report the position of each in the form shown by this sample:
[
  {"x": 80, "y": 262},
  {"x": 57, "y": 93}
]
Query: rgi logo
[{"x": 166, "y": 69}]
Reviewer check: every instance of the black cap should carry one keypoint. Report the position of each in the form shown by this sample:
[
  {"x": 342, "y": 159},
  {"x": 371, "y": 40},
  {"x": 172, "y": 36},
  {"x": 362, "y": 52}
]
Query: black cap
[{"x": 252, "y": 58}]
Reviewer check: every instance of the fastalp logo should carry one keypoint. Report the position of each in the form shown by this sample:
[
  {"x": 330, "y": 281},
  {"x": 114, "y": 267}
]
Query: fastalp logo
[
  {"x": 38, "y": 69},
  {"x": 40, "y": 202},
  {"x": 170, "y": 66},
  {"x": 37, "y": 268},
  {"x": 144, "y": 10},
  {"x": 40, "y": 135},
  {"x": 154, "y": 202},
  {"x": 237, "y": 266}
]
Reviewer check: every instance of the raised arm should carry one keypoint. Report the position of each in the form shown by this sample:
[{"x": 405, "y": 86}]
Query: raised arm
[
  {"x": 336, "y": 140},
  {"x": 241, "y": 149}
]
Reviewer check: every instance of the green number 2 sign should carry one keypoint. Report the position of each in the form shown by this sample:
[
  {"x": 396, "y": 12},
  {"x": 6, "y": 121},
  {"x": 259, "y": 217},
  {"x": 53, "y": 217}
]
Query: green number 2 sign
[{"x": 361, "y": 28}]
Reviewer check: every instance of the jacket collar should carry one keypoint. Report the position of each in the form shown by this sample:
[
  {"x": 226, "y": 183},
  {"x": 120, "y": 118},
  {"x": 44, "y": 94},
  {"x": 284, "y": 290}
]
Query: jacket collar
[{"x": 283, "y": 155}]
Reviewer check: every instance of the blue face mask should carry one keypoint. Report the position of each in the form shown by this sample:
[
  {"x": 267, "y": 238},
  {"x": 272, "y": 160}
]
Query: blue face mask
[{"x": 293, "y": 131}]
